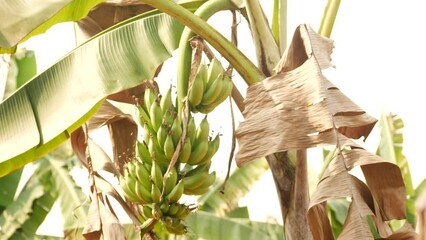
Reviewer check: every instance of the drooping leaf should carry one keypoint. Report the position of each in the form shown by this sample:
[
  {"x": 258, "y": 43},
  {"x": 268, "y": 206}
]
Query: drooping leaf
[
  {"x": 298, "y": 107},
  {"x": 123, "y": 132},
  {"x": 209, "y": 226},
  {"x": 120, "y": 58},
  {"x": 40, "y": 206},
  {"x": 237, "y": 186},
  {"x": 382, "y": 198},
  {"x": 72, "y": 198},
  {"x": 36, "y": 16},
  {"x": 19, "y": 211},
  {"x": 100, "y": 161}
]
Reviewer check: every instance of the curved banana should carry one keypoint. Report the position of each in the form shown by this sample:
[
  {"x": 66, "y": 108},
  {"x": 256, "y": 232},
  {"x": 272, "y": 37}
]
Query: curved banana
[
  {"x": 211, "y": 92},
  {"x": 155, "y": 194},
  {"x": 215, "y": 69},
  {"x": 147, "y": 226},
  {"x": 162, "y": 134},
  {"x": 191, "y": 130},
  {"x": 213, "y": 147},
  {"x": 143, "y": 194},
  {"x": 176, "y": 131},
  {"x": 128, "y": 193},
  {"x": 157, "y": 175},
  {"x": 203, "y": 131},
  {"x": 143, "y": 152},
  {"x": 156, "y": 115},
  {"x": 173, "y": 209},
  {"x": 156, "y": 212},
  {"x": 166, "y": 100},
  {"x": 146, "y": 211},
  {"x": 170, "y": 181},
  {"x": 198, "y": 152},
  {"x": 155, "y": 151},
  {"x": 194, "y": 181},
  {"x": 176, "y": 193},
  {"x": 185, "y": 152},
  {"x": 131, "y": 167},
  {"x": 169, "y": 147},
  {"x": 149, "y": 98},
  {"x": 143, "y": 175},
  {"x": 198, "y": 169},
  {"x": 196, "y": 93}
]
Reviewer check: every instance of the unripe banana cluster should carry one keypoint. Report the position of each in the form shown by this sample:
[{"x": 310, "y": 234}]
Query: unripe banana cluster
[
  {"x": 210, "y": 88},
  {"x": 143, "y": 179}
]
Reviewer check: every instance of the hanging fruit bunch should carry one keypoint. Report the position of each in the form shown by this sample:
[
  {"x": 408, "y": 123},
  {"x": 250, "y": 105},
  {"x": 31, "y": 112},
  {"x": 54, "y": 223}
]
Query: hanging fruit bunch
[
  {"x": 212, "y": 86},
  {"x": 145, "y": 181}
]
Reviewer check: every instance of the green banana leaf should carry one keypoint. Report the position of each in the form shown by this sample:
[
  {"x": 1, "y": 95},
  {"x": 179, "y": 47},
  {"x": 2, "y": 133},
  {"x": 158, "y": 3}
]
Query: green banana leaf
[
  {"x": 390, "y": 146},
  {"x": 43, "y": 112},
  {"x": 237, "y": 186},
  {"x": 9, "y": 185},
  {"x": 210, "y": 226},
  {"x": 21, "y": 20},
  {"x": 40, "y": 206},
  {"x": 73, "y": 201},
  {"x": 20, "y": 210}
]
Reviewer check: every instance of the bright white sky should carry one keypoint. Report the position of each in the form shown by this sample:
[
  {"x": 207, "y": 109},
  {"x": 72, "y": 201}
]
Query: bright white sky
[{"x": 379, "y": 49}]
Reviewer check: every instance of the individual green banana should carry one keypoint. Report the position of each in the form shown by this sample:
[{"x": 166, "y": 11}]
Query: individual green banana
[
  {"x": 156, "y": 115},
  {"x": 215, "y": 69},
  {"x": 197, "y": 191},
  {"x": 143, "y": 175},
  {"x": 176, "y": 227},
  {"x": 211, "y": 92},
  {"x": 143, "y": 116},
  {"x": 176, "y": 131},
  {"x": 203, "y": 187},
  {"x": 198, "y": 153},
  {"x": 143, "y": 152},
  {"x": 185, "y": 152},
  {"x": 198, "y": 169},
  {"x": 149, "y": 98},
  {"x": 166, "y": 100},
  {"x": 173, "y": 209},
  {"x": 183, "y": 212},
  {"x": 170, "y": 181},
  {"x": 128, "y": 193},
  {"x": 147, "y": 211},
  {"x": 169, "y": 116},
  {"x": 193, "y": 182},
  {"x": 146, "y": 132},
  {"x": 156, "y": 152},
  {"x": 157, "y": 175},
  {"x": 191, "y": 130},
  {"x": 213, "y": 147},
  {"x": 143, "y": 194},
  {"x": 226, "y": 90},
  {"x": 169, "y": 147},
  {"x": 176, "y": 192},
  {"x": 165, "y": 207},
  {"x": 196, "y": 93},
  {"x": 162, "y": 134},
  {"x": 155, "y": 194},
  {"x": 203, "y": 131},
  {"x": 131, "y": 168}
]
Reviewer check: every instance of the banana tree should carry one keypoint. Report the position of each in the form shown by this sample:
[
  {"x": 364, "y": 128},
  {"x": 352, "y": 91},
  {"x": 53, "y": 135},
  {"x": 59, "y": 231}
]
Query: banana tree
[{"x": 129, "y": 53}]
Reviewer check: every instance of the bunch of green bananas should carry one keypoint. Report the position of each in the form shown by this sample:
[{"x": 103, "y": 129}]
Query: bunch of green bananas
[
  {"x": 143, "y": 179},
  {"x": 210, "y": 88}
]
